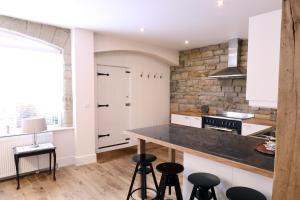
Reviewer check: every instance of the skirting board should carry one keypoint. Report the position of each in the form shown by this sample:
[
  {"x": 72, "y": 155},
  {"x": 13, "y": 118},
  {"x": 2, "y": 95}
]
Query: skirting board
[
  {"x": 86, "y": 159},
  {"x": 66, "y": 161}
]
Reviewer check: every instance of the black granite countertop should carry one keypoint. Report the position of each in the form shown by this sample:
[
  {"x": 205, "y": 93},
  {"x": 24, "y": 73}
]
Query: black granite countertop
[{"x": 225, "y": 145}]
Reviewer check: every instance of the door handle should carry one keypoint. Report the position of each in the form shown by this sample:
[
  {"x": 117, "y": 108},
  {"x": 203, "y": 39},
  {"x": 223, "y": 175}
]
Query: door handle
[
  {"x": 106, "y": 135},
  {"x": 102, "y": 74},
  {"x": 102, "y": 105}
]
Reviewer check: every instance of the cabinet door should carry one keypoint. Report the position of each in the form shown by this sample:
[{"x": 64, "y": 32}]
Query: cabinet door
[
  {"x": 248, "y": 129},
  {"x": 263, "y": 59},
  {"x": 180, "y": 119},
  {"x": 196, "y": 122}
]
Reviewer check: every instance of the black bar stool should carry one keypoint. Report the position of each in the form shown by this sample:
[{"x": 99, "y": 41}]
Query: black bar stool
[
  {"x": 203, "y": 182},
  {"x": 169, "y": 178},
  {"x": 244, "y": 193},
  {"x": 143, "y": 167}
]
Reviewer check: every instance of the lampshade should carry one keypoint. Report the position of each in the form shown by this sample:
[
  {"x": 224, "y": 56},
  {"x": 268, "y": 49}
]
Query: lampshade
[{"x": 34, "y": 125}]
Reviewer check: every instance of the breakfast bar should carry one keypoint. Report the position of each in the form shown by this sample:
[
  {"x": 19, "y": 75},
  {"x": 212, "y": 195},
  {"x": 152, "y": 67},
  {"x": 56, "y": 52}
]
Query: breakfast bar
[{"x": 234, "y": 155}]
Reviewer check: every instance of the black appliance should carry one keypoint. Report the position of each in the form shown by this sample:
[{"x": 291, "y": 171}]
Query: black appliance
[{"x": 230, "y": 122}]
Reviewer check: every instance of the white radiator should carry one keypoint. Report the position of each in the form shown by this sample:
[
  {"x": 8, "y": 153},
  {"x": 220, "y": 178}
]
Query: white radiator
[{"x": 7, "y": 164}]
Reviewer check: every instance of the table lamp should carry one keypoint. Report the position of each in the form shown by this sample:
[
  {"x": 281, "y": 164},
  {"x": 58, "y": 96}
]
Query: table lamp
[{"x": 34, "y": 126}]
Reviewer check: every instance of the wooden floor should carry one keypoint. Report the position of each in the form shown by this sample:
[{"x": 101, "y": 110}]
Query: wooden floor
[{"x": 108, "y": 179}]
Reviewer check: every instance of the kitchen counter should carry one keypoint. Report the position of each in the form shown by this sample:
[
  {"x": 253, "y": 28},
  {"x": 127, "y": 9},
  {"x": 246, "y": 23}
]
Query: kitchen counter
[
  {"x": 233, "y": 150},
  {"x": 255, "y": 120}
]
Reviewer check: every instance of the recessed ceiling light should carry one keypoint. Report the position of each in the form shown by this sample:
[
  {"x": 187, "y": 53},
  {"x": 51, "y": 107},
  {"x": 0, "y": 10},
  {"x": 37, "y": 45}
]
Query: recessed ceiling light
[
  {"x": 220, "y": 3},
  {"x": 142, "y": 29},
  {"x": 186, "y": 42}
]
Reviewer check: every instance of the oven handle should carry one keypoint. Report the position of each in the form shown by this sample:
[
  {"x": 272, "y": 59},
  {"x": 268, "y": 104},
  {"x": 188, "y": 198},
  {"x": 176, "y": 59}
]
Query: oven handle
[{"x": 221, "y": 129}]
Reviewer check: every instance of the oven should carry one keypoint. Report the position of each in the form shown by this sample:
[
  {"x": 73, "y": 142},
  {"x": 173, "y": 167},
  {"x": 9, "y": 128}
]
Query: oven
[{"x": 233, "y": 126}]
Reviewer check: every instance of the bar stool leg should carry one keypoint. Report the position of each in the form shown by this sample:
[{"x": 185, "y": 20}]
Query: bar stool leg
[
  {"x": 154, "y": 178},
  {"x": 213, "y": 193},
  {"x": 178, "y": 189},
  {"x": 162, "y": 187},
  {"x": 144, "y": 183},
  {"x": 193, "y": 195},
  {"x": 132, "y": 181}
]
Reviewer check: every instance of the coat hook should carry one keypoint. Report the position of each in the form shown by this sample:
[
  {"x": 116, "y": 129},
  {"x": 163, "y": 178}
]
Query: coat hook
[
  {"x": 149, "y": 75},
  {"x": 141, "y": 75},
  {"x": 155, "y": 75},
  {"x": 161, "y": 76}
]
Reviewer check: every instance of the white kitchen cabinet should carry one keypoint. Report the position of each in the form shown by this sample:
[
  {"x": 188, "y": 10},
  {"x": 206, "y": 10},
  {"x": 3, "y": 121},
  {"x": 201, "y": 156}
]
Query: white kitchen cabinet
[
  {"x": 192, "y": 121},
  {"x": 263, "y": 59},
  {"x": 180, "y": 119},
  {"x": 196, "y": 122},
  {"x": 248, "y": 129}
]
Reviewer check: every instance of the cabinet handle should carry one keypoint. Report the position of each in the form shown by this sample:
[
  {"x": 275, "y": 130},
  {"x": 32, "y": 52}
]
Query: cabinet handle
[
  {"x": 106, "y": 135},
  {"x": 106, "y": 105}
]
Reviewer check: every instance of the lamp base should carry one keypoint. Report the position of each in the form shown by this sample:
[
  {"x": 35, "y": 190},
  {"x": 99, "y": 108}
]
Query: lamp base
[{"x": 35, "y": 144}]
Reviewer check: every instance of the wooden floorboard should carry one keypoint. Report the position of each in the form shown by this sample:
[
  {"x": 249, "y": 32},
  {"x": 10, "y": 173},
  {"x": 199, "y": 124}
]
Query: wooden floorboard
[{"x": 108, "y": 179}]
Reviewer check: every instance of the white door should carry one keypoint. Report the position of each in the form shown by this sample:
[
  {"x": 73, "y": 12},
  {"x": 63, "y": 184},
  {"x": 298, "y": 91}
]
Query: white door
[{"x": 113, "y": 107}]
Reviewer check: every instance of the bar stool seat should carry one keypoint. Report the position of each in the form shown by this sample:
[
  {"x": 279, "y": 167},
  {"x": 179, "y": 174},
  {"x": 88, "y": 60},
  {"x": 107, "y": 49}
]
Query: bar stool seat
[
  {"x": 169, "y": 178},
  {"x": 170, "y": 168},
  {"x": 244, "y": 193},
  {"x": 204, "y": 180},
  {"x": 204, "y": 184},
  {"x": 144, "y": 158}
]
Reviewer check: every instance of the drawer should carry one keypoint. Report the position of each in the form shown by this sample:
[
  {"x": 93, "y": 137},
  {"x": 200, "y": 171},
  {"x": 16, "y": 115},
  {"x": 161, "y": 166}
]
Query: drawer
[{"x": 180, "y": 119}]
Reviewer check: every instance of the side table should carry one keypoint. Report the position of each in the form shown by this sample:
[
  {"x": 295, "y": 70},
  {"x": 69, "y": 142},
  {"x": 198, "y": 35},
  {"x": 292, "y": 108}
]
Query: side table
[{"x": 26, "y": 151}]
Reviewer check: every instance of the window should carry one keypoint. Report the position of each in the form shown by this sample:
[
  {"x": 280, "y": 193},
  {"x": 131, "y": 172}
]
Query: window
[{"x": 31, "y": 81}]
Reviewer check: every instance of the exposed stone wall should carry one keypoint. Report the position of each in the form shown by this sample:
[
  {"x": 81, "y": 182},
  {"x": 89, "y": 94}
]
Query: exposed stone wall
[
  {"x": 57, "y": 36},
  {"x": 190, "y": 87}
]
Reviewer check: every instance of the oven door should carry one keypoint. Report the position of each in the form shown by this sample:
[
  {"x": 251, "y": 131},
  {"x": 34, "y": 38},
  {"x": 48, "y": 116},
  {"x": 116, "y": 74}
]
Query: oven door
[{"x": 222, "y": 124}]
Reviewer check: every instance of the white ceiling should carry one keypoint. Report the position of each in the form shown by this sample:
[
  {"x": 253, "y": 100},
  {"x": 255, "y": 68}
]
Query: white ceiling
[{"x": 167, "y": 23}]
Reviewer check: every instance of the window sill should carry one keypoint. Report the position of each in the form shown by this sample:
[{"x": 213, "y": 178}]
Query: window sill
[{"x": 49, "y": 130}]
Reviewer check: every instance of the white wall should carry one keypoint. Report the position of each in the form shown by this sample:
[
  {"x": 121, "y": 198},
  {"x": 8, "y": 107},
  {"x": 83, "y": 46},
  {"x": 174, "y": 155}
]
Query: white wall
[
  {"x": 65, "y": 146},
  {"x": 105, "y": 43},
  {"x": 84, "y": 103},
  {"x": 150, "y": 98}
]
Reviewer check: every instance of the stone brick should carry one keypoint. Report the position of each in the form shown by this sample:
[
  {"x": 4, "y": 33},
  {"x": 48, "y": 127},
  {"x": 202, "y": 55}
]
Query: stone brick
[
  {"x": 174, "y": 107},
  {"x": 197, "y": 68},
  {"x": 238, "y": 89},
  {"x": 231, "y": 94},
  {"x": 47, "y": 33},
  {"x": 224, "y": 58},
  {"x": 196, "y": 63},
  {"x": 227, "y": 89},
  {"x": 60, "y": 37},
  {"x": 214, "y": 60},
  {"x": 219, "y": 52},
  {"x": 19, "y": 26},
  {"x": 239, "y": 82},
  {"x": 207, "y": 54},
  {"x": 34, "y": 29}
]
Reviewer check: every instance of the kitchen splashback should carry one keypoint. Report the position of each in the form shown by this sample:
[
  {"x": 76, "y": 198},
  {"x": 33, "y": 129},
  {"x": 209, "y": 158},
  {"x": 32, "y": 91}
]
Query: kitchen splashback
[{"x": 190, "y": 87}]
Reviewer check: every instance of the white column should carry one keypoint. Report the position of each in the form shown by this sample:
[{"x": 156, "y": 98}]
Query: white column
[{"x": 84, "y": 103}]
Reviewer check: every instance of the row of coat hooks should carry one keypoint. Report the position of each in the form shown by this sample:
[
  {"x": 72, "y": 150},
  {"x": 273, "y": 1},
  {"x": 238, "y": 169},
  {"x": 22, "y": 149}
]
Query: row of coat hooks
[{"x": 149, "y": 75}]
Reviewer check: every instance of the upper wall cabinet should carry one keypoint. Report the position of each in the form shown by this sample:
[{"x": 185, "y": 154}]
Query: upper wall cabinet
[{"x": 263, "y": 59}]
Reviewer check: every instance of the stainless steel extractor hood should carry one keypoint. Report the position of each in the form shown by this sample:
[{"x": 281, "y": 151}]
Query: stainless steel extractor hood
[{"x": 233, "y": 70}]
